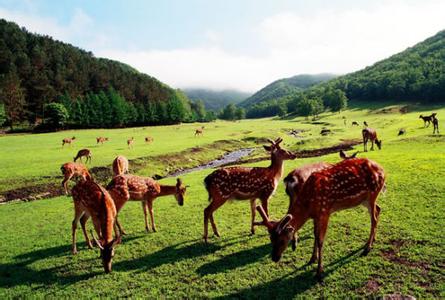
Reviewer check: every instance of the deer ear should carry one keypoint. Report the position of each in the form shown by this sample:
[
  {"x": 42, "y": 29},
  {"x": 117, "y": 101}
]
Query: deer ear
[
  {"x": 354, "y": 155},
  {"x": 342, "y": 154},
  {"x": 178, "y": 182},
  {"x": 278, "y": 141},
  {"x": 268, "y": 148}
]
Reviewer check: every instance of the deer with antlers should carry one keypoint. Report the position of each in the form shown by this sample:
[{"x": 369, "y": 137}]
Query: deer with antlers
[
  {"x": 130, "y": 142},
  {"x": 70, "y": 170},
  {"x": 369, "y": 134},
  {"x": 245, "y": 183},
  {"x": 92, "y": 200},
  {"x": 347, "y": 184},
  {"x": 120, "y": 165},
  {"x": 143, "y": 189},
  {"x": 199, "y": 131},
  {"x": 101, "y": 140},
  {"x": 68, "y": 141},
  {"x": 83, "y": 153}
]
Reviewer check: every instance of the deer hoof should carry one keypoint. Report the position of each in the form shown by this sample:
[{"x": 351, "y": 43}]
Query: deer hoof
[
  {"x": 294, "y": 245},
  {"x": 154, "y": 229},
  {"x": 319, "y": 278},
  {"x": 366, "y": 251},
  {"x": 252, "y": 232},
  {"x": 74, "y": 252}
]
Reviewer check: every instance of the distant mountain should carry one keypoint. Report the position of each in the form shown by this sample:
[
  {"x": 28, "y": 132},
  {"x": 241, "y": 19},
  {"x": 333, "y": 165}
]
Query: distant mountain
[
  {"x": 285, "y": 87},
  {"x": 416, "y": 74},
  {"x": 215, "y": 100}
]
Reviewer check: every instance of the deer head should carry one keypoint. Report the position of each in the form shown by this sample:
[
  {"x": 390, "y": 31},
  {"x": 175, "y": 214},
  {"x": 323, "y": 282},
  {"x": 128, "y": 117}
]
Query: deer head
[
  {"x": 378, "y": 143},
  {"x": 280, "y": 233},
  {"x": 277, "y": 152},
  {"x": 343, "y": 155},
  {"x": 180, "y": 192},
  {"x": 107, "y": 251}
]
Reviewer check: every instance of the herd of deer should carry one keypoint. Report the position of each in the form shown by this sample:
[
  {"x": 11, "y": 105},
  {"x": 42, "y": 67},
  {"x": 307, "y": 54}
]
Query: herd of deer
[{"x": 315, "y": 192}]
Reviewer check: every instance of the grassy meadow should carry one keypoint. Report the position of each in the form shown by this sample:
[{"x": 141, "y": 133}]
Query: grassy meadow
[{"x": 408, "y": 257}]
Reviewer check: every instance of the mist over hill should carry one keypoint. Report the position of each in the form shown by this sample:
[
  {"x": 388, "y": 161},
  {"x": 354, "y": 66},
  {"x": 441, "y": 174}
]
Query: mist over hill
[{"x": 215, "y": 100}]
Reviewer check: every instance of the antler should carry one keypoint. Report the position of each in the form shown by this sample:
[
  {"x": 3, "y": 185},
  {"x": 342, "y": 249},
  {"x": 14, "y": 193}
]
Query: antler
[
  {"x": 278, "y": 141},
  {"x": 266, "y": 221},
  {"x": 283, "y": 223},
  {"x": 270, "y": 141},
  {"x": 96, "y": 241}
]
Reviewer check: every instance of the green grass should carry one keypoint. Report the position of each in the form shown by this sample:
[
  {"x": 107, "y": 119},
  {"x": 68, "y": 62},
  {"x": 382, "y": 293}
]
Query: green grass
[{"x": 408, "y": 257}]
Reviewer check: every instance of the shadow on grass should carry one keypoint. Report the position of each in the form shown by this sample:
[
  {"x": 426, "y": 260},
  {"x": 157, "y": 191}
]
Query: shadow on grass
[
  {"x": 20, "y": 272},
  {"x": 291, "y": 285}
]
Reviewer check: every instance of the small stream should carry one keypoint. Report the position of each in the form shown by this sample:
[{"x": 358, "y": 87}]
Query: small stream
[{"x": 227, "y": 158}]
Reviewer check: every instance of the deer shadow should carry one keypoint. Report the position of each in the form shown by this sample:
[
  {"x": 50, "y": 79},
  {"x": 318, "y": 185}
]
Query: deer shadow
[
  {"x": 294, "y": 283},
  {"x": 238, "y": 259},
  {"x": 21, "y": 271}
]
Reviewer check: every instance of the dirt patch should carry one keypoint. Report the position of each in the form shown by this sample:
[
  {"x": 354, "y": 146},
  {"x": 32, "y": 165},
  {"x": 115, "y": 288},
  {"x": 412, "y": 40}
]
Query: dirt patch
[
  {"x": 30, "y": 193},
  {"x": 393, "y": 255},
  {"x": 372, "y": 286},
  {"x": 393, "y": 110}
]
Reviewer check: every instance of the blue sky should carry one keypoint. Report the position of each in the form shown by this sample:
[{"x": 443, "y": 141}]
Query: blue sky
[{"x": 234, "y": 44}]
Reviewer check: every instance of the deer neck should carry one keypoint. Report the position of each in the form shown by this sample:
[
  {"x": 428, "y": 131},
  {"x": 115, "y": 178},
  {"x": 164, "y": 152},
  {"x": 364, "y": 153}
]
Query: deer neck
[
  {"x": 299, "y": 215},
  {"x": 107, "y": 226},
  {"x": 167, "y": 190},
  {"x": 276, "y": 167}
]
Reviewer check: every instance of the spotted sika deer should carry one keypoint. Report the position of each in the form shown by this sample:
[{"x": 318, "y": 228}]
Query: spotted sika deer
[
  {"x": 70, "y": 170},
  {"x": 369, "y": 134},
  {"x": 68, "y": 141},
  {"x": 92, "y": 200},
  {"x": 83, "y": 153},
  {"x": 130, "y": 142},
  {"x": 101, "y": 140},
  {"x": 143, "y": 189},
  {"x": 120, "y": 165},
  {"x": 245, "y": 183},
  {"x": 347, "y": 184}
]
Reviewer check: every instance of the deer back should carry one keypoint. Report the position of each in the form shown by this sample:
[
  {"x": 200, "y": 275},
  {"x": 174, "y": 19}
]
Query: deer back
[
  {"x": 141, "y": 188},
  {"x": 344, "y": 185}
]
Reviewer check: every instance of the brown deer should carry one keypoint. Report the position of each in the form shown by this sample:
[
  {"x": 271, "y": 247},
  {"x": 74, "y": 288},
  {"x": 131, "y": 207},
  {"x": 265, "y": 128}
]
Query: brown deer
[
  {"x": 436, "y": 125},
  {"x": 143, "y": 189},
  {"x": 68, "y": 141},
  {"x": 130, "y": 142},
  {"x": 101, "y": 140},
  {"x": 92, "y": 200},
  {"x": 199, "y": 131},
  {"x": 245, "y": 183},
  {"x": 347, "y": 184},
  {"x": 370, "y": 134},
  {"x": 354, "y": 123},
  {"x": 427, "y": 120},
  {"x": 120, "y": 165},
  {"x": 70, "y": 170},
  {"x": 83, "y": 153},
  {"x": 148, "y": 139}
]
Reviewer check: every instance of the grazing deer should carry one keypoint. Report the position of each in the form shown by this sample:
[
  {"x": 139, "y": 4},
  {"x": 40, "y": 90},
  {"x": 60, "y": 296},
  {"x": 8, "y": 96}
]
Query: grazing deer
[
  {"x": 144, "y": 189},
  {"x": 92, "y": 200},
  {"x": 68, "y": 141},
  {"x": 199, "y": 131},
  {"x": 245, "y": 183},
  {"x": 70, "y": 169},
  {"x": 130, "y": 142},
  {"x": 149, "y": 139},
  {"x": 120, "y": 165},
  {"x": 435, "y": 124},
  {"x": 343, "y": 155},
  {"x": 427, "y": 119},
  {"x": 366, "y": 124},
  {"x": 347, "y": 184},
  {"x": 83, "y": 153},
  {"x": 354, "y": 123},
  {"x": 101, "y": 140},
  {"x": 402, "y": 131},
  {"x": 370, "y": 134}
]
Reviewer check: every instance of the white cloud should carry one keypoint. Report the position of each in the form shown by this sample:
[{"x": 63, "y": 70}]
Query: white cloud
[{"x": 335, "y": 41}]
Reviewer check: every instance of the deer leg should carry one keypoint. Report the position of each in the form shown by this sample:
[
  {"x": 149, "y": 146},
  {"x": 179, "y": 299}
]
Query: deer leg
[
  {"x": 294, "y": 241},
  {"x": 372, "y": 145},
  {"x": 322, "y": 228},
  {"x": 152, "y": 219},
  {"x": 374, "y": 213},
  {"x": 121, "y": 230},
  {"x": 314, "y": 256},
  {"x": 65, "y": 183},
  {"x": 83, "y": 221},
  {"x": 252, "y": 211},
  {"x": 144, "y": 208},
  {"x": 365, "y": 142},
  {"x": 208, "y": 215},
  {"x": 77, "y": 215},
  {"x": 265, "y": 205}
]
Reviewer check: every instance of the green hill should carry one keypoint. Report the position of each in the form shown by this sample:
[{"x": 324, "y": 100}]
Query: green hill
[
  {"x": 285, "y": 87},
  {"x": 216, "y": 100},
  {"x": 416, "y": 74},
  {"x": 36, "y": 69}
]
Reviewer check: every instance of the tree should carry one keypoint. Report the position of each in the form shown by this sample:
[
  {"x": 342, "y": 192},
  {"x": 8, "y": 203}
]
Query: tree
[
  {"x": 2, "y": 114},
  {"x": 228, "y": 113},
  {"x": 13, "y": 96},
  {"x": 335, "y": 99},
  {"x": 240, "y": 113},
  {"x": 56, "y": 114},
  {"x": 305, "y": 107}
]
